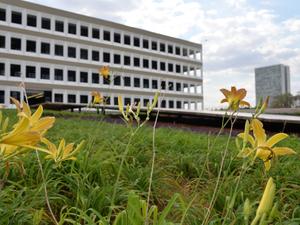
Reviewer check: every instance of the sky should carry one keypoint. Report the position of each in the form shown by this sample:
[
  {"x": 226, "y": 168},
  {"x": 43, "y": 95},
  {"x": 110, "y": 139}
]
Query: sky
[{"x": 237, "y": 35}]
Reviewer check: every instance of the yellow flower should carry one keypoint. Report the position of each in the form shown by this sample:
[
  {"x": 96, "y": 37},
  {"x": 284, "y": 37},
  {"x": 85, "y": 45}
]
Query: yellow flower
[
  {"x": 37, "y": 123},
  {"x": 98, "y": 99},
  {"x": 234, "y": 98},
  {"x": 263, "y": 147},
  {"x": 104, "y": 71},
  {"x": 266, "y": 201},
  {"x": 63, "y": 152}
]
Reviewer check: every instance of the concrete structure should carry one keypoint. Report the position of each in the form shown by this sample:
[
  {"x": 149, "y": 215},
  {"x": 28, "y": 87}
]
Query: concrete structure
[
  {"x": 272, "y": 81},
  {"x": 297, "y": 100},
  {"x": 58, "y": 53}
]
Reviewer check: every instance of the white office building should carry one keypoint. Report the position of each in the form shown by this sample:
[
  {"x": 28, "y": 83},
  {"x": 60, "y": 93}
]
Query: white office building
[{"x": 59, "y": 53}]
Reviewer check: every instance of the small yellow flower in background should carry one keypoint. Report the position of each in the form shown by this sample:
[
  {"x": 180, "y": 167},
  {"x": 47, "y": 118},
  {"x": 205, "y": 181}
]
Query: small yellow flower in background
[
  {"x": 234, "y": 98},
  {"x": 266, "y": 202},
  {"x": 98, "y": 99},
  {"x": 104, "y": 71},
  {"x": 263, "y": 147},
  {"x": 63, "y": 152}
]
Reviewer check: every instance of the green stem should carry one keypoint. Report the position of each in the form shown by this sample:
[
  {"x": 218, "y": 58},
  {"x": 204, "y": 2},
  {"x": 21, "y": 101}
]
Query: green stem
[{"x": 255, "y": 220}]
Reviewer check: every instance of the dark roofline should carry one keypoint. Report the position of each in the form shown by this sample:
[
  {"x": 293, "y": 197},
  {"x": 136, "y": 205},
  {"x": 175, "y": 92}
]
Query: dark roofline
[{"x": 51, "y": 10}]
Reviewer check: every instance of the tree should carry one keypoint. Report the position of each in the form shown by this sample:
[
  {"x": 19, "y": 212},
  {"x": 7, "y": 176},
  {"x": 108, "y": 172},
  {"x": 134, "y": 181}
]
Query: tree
[{"x": 283, "y": 101}]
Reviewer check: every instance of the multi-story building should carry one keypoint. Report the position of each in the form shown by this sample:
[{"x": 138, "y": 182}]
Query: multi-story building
[
  {"x": 272, "y": 81},
  {"x": 58, "y": 53}
]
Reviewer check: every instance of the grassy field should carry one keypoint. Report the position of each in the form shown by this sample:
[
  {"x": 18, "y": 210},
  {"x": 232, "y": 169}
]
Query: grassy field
[{"x": 80, "y": 191}]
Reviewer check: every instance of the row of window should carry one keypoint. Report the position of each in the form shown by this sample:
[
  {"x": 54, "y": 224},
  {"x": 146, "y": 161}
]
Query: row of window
[
  {"x": 107, "y": 57},
  {"x": 44, "y": 73},
  {"x": 84, "y": 99},
  {"x": 82, "y": 30}
]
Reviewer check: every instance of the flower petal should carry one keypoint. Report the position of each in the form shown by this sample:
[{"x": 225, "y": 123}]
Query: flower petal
[
  {"x": 244, "y": 103},
  {"x": 275, "y": 139},
  {"x": 225, "y": 92},
  {"x": 259, "y": 132},
  {"x": 283, "y": 151},
  {"x": 250, "y": 139},
  {"x": 241, "y": 93}
]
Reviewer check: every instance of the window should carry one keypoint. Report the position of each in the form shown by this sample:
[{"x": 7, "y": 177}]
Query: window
[
  {"x": 106, "y": 57},
  {"x": 84, "y": 31},
  {"x": 15, "y": 70},
  {"x": 59, "y": 50},
  {"x": 171, "y": 104},
  {"x": 145, "y": 63},
  {"x": 59, "y": 26},
  {"x": 136, "y": 82},
  {"x": 106, "y": 35},
  {"x": 2, "y": 41},
  {"x": 116, "y": 101},
  {"x": 30, "y": 71},
  {"x": 136, "y": 42},
  {"x": 72, "y": 29},
  {"x": 72, "y": 75},
  {"x": 163, "y": 85},
  {"x": 170, "y": 49},
  {"x": 162, "y": 66},
  {"x": 31, "y": 20},
  {"x": 162, "y": 47},
  {"x": 126, "y": 60},
  {"x": 83, "y": 99},
  {"x": 154, "y": 84},
  {"x": 95, "y": 56},
  {"x": 177, "y": 50},
  {"x": 178, "y": 86},
  {"x": 95, "y": 33},
  {"x": 71, "y": 98},
  {"x": 46, "y": 23},
  {"x": 58, "y": 74},
  {"x": 16, "y": 17},
  {"x": 58, "y": 97},
  {"x": 16, "y": 95},
  {"x": 15, "y": 43},
  {"x": 170, "y": 67},
  {"x": 71, "y": 52},
  {"x": 2, "y": 69},
  {"x": 106, "y": 80},
  {"x": 2, "y": 97},
  {"x": 136, "y": 61},
  {"x": 163, "y": 103},
  {"x": 127, "y": 101},
  {"x": 45, "y": 48},
  {"x": 30, "y": 46},
  {"x": 154, "y": 65},
  {"x": 136, "y": 101},
  {"x": 45, "y": 73},
  {"x": 117, "y": 37},
  {"x": 171, "y": 86},
  {"x": 2, "y": 14},
  {"x": 154, "y": 45},
  {"x": 146, "y": 83},
  {"x": 83, "y": 53},
  {"x": 117, "y": 59},
  {"x": 146, "y": 101},
  {"x": 95, "y": 78},
  {"x": 178, "y": 104},
  {"x": 107, "y": 100},
  {"x": 127, "y": 82},
  {"x": 184, "y": 52},
  {"x": 127, "y": 40},
  {"x": 178, "y": 69},
  {"x": 117, "y": 80},
  {"x": 145, "y": 43},
  {"x": 83, "y": 77}
]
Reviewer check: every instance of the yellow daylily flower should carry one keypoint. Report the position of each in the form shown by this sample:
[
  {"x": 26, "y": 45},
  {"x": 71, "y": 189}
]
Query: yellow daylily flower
[
  {"x": 235, "y": 98},
  {"x": 37, "y": 123},
  {"x": 263, "y": 147},
  {"x": 104, "y": 71},
  {"x": 98, "y": 99},
  {"x": 63, "y": 152}
]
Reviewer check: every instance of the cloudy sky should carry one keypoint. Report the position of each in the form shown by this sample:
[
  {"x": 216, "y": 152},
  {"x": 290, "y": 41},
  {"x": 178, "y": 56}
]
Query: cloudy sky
[{"x": 237, "y": 35}]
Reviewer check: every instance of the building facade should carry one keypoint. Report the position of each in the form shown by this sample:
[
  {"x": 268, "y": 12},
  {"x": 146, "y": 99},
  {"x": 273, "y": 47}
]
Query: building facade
[
  {"x": 58, "y": 53},
  {"x": 272, "y": 81}
]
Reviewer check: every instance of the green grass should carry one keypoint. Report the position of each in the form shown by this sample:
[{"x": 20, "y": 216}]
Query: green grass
[{"x": 83, "y": 188}]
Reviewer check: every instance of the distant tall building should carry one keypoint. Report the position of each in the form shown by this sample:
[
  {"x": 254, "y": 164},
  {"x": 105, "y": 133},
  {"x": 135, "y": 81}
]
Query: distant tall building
[{"x": 272, "y": 81}]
